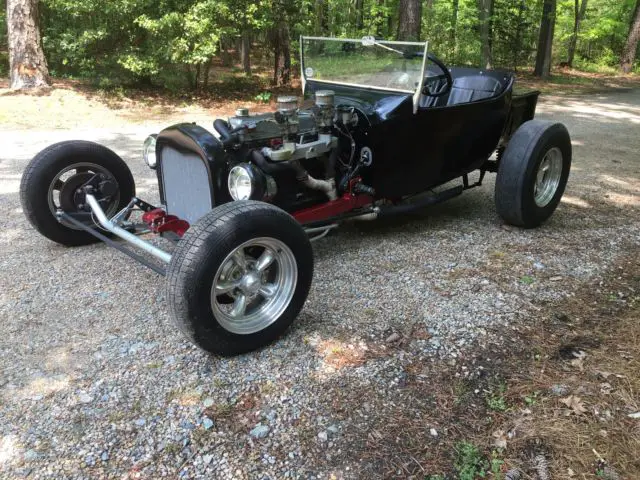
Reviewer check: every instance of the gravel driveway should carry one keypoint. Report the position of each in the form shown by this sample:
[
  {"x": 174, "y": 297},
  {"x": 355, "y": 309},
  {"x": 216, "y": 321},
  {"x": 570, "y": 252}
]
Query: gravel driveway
[{"x": 96, "y": 382}]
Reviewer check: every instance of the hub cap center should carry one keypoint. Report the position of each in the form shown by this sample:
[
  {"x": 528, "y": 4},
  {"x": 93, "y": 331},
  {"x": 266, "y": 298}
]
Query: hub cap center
[{"x": 250, "y": 283}]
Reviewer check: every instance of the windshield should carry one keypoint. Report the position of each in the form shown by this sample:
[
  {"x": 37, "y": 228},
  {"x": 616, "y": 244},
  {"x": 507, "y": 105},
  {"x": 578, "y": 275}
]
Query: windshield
[{"x": 395, "y": 66}]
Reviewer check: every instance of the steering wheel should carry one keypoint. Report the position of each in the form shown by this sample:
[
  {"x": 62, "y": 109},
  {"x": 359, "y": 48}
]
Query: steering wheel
[{"x": 432, "y": 86}]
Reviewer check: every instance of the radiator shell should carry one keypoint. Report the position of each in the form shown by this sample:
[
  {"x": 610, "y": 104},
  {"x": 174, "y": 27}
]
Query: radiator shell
[{"x": 185, "y": 184}]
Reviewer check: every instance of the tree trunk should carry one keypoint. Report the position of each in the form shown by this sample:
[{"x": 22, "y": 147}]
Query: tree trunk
[
  {"x": 276, "y": 55},
  {"x": 225, "y": 56},
  {"x": 322, "y": 18},
  {"x": 409, "y": 20},
  {"x": 245, "y": 55},
  {"x": 580, "y": 11},
  {"x": 545, "y": 39},
  {"x": 196, "y": 78},
  {"x": 631, "y": 46},
  {"x": 26, "y": 59},
  {"x": 485, "y": 9},
  {"x": 282, "y": 54},
  {"x": 191, "y": 79},
  {"x": 454, "y": 28},
  {"x": 379, "y": 19},
  {"x": 359, "y": 15},
  {"x": 207, "y": 71},
  {"x": 518, "y": 40}
]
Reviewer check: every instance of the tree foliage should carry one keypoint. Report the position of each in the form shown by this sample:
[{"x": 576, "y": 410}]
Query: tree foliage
[{"x": 174, "y": 43}]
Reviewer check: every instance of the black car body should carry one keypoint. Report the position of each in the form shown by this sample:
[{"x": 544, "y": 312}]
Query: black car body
[{"x": 380, "y": 130}]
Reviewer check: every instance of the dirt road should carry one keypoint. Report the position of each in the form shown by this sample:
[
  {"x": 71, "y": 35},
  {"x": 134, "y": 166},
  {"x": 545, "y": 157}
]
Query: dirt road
[{"x": 97, "y": 383}]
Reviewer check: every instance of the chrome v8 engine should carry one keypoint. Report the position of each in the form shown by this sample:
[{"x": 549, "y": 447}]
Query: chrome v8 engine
[{"x": 289, "y": 133}]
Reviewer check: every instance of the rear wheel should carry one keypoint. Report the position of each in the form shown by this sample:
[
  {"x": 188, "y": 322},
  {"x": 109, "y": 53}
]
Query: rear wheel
[
  {"x": 533, "y": 173},
  {"x": 239, "y": 277},
  {"x": 51, "y": 181}
]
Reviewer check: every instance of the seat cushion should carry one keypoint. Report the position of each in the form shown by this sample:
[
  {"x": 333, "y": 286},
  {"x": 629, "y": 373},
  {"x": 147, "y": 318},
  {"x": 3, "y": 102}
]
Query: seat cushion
[{"x": 473, "y": 88}]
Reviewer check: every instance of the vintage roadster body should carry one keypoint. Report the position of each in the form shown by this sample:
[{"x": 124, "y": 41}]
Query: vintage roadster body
[{"x": 379, "y": 131}]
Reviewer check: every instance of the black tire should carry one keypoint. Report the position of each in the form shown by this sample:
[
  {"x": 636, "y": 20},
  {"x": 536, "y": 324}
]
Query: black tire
[
  {"x": 202, "y": 252},
  {"x": 516, "y": 179},
  {"x": 43, "y": 169}
]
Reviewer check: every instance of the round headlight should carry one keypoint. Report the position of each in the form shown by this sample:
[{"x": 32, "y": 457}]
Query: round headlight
[
  {"x": 149, "y": 151},
  {"x": 240, "y": 183}
]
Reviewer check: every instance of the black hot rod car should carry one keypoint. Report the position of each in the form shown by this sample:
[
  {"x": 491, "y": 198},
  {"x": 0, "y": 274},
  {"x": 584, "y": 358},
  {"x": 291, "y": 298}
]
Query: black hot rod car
[{"x": 382, "y": 124}]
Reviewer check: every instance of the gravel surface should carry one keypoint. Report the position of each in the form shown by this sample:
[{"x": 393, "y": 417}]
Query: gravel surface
[{"x": 96, "y": 382}]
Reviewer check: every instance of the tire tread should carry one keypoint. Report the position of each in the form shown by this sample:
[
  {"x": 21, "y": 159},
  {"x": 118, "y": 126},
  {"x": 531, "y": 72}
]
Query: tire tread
[{"x": 217, "y": 232}]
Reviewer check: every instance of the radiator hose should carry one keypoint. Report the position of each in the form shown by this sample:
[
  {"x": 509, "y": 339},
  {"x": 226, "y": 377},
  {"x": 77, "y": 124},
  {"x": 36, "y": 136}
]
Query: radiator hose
[{"x": 228, "y": 137}]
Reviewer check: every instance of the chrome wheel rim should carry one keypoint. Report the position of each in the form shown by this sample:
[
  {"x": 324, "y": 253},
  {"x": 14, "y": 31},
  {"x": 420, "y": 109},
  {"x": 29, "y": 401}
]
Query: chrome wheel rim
[
  {"x": 68, "y": 176},
  {"x": 254, "y": 285},
  {"x": 548, "y": 177}
]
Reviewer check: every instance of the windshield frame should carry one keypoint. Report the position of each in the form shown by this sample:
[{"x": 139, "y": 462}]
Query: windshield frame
[{"x": 416, "y": 93}]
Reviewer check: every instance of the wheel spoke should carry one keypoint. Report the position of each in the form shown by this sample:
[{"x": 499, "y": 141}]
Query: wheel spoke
[
  {"x": 545, "y": 162},
  {"x": 540, "y": 176},
  {"x": 239, "y": 306},
  {"x": 226, "y": 287},
  {"x": 240, "y": 259},
  {"x": 265, "y": 260},
  {"x": 268, "y": 290},
  {"x": 58, "y": 184}
]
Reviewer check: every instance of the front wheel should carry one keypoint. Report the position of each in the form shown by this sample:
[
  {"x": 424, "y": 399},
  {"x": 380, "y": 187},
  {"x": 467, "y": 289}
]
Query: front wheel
[
  {"x": 239, "y": 277},
  {"x": 533, "y": 173},
  {"x": 52, "y": 180}
]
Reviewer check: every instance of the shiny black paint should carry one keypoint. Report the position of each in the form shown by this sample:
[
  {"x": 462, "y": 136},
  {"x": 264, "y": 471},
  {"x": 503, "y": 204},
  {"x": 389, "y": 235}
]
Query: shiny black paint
[
  {"x": 191, "y": 138},
  {"x": 412, "y": 152},
  {"x": 375, "y": 105},
  {"x": 415, "y": 152}
]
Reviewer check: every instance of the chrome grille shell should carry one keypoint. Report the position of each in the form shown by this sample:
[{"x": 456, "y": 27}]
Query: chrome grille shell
[{"x": 185, "y": 184}]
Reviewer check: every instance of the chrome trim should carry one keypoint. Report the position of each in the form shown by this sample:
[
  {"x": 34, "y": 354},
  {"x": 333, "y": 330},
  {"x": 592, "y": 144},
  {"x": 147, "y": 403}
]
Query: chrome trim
[
  {"x": 125, "y": 211},
  {"x": 359, "y": 40},
  {"x": 248, "y": 294},
  {"x": 319, "y": 232},
  {"x": 548, "y": 177},
  {"x": 186, "y": 184},
  {"x": 303, "y": 78},
  {"x": 368, "y": 87},
  {"x": 416, "y": 95},
  {"x": 122, "y": 233}
]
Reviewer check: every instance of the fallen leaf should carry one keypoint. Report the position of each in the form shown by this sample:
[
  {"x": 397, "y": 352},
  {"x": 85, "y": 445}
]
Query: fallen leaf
[
  {"x": 394, "y": 337},
  {"x": 578, "y": 361},
  {"x": 574, "y": 403},
  {"x": 500, "y": 439},
  {"x": 634, "y": 415},
  {"x": 606, "y": 388},
  {"x": 580, "y": 354}
]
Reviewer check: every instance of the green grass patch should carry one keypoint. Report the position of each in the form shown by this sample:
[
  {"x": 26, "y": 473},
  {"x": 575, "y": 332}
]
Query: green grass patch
[
  {"x": 527, "y": 279},
  {"x": 496, "y": 400},
  {"x": 469, "y": 463}
]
